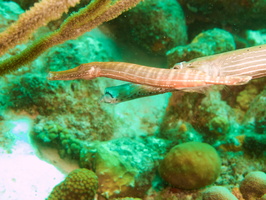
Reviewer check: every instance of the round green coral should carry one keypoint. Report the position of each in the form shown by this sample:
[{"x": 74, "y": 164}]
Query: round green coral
[
  {"x": 80, "y": 184},
  {"x": 191, "y": 165}
]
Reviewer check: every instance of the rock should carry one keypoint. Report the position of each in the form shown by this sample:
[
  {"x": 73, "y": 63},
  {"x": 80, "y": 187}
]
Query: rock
[
  {"x": 204, "y": 44},
  {"x": 153, "y": 25},
  {"x": 211, "y": 13}
]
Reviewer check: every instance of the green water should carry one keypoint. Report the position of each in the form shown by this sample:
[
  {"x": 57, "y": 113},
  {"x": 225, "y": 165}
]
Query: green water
[{"x": 50, "y": 128}]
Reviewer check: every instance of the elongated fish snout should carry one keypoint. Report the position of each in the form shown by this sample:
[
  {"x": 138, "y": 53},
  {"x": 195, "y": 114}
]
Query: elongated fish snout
[
  {"x": 62, "y": 75},
  {"x": 51, "y": 76}
]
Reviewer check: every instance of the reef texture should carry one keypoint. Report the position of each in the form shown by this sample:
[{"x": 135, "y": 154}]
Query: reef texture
[
  {"x": 79, "y": 184},
  {"x": 218, "y": 118},
  {"x": 218, "y": 193},
  {"x": 254, "y": 185},
  {"x": 118, "y": 165},
  {"x": 204, "y": 44},
  {"x": 206, "y": 14},
  {"x": 66, "y": 104},
  {"x": 25, "y": 5},
  {"x": 135, "y": 148},
  {"x": 165, "y": 20},
  {"x": 8, "y": 14}
]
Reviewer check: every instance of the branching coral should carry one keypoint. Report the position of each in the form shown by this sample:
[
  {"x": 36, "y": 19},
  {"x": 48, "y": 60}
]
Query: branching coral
[{"x": 94, "y": 14}]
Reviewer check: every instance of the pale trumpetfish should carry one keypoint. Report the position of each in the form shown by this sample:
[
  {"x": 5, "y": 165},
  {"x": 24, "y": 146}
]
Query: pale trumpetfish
[{"x": 249, "y": 62}]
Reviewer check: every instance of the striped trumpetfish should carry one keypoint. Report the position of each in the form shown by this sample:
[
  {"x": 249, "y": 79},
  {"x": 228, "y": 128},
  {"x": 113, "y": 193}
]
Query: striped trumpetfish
[
  {"x": 230, "y": 68},
  {"x": 157, "y": 77},
  {"x": 243, "y": 62}
]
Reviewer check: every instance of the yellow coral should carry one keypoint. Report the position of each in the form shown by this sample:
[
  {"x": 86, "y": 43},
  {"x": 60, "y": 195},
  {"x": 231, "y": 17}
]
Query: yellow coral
[{"x": 80, "y": 184}]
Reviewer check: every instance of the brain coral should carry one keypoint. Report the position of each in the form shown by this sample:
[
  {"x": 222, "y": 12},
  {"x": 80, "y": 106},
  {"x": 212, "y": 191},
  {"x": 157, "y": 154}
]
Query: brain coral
[
  {"x": 191, "y": 165},
  {"x": 254, "y": 185},
  {"x": 80, "y": 184},
  {"x": 218, "y": 193}
]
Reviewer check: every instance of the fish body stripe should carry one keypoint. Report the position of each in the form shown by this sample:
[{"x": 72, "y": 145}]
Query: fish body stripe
[
  {"x": 249, "y": 62},
  {"x": 158, "y": 77}
]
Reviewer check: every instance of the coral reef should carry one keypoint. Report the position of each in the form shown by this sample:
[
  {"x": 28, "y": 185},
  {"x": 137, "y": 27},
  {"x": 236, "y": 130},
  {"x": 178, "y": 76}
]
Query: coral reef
[
  {"x": 255, "y": 117},
  {"x": 79, "y": 184},
  {"x": 208, "y": 14},
  {"x": 254, "y": 185},
  {"x": 9, "y": 13},
  {"x": 218, "y": 193},
  {"x": 246, "y": 96},
  {"x": 237, "y": 194},
  {"x": 68, "y": 104},
  {"x": 25, "y": 5},
  {"x": 115, "y": 177},
  {"x": 234, "y": 167},
  {"x": 126, "y": 145},
  {"x": 7, "y": 140},
  {"x": 53, "y": 135},
  {"x": 210, "y": 116},
  {"x": 162, "y": 26},
  {"x": 191, "y": 165},
  {"x": 255, "y": 145},
  {"x": 204, "y": 44},
  {"x": 118, "y": 164},
  {"x": 215, "y": 117},
  {"x": 126, "y": 198},
  {"x": 171, "y": 193}
]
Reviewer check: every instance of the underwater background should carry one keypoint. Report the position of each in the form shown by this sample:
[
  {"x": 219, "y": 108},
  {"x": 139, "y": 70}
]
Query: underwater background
[{"x": 59, "y": 141}]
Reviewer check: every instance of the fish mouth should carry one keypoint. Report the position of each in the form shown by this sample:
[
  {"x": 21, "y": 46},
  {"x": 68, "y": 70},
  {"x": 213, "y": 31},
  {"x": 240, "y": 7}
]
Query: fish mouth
[
  {"x": 69, "y": 74},
  {"x": 60, "y": 76},
  {"x": 51, "y": 76}
]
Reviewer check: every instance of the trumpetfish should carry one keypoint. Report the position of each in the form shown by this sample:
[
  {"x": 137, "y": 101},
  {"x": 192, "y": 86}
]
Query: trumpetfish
[
  {"x": 129, "y": 91},
  {"x": 157, "y": 77},
  {"x": 243, "y": 62},
  {"x": 230, "y": 68},
  {"x": 248, "y": 61}
]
